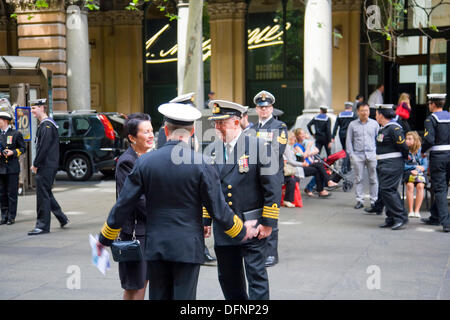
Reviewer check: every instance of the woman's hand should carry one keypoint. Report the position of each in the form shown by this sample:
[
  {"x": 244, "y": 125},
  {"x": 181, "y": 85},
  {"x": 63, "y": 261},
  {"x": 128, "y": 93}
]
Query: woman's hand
[
  {"x": 414, "y": 172},
  {"x": 305, "y": 164},
  {"x": 421, "y": 168}
]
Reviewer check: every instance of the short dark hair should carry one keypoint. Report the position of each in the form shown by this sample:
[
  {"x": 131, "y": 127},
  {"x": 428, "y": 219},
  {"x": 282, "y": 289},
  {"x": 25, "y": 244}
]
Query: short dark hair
[
  {"x": 439, "y": 103},
  {"x": 174, "y": 127},
  {"x": 132, "y": 123},
  {"x": 361, "y": 104},
  {"x": 380, "y": 85},
  {"x": 387, "y": 113},
  {"x": 359, "y": 96}
]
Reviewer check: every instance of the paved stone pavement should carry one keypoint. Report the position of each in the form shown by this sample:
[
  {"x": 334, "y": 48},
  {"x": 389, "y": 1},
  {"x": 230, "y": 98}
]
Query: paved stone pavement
[{"x": 328, "y": 250}]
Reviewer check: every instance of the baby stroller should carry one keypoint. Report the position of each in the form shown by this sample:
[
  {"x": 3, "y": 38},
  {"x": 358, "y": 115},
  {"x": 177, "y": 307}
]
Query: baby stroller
[{"x": 347, "y": 185}]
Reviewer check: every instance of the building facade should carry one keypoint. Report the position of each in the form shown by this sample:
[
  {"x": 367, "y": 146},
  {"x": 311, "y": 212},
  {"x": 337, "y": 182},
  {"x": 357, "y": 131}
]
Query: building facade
[{"x": 307, "y": 53}]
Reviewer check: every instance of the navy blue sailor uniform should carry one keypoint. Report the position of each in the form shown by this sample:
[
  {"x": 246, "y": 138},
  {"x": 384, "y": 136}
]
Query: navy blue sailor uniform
[
  {"x": 176, "y": 182},
  {"x": 342, "y": 122},
  {"x": 252, "y": 194},
  {"x": 322, "y": 128},
  {"x": 46, "y": 162},
  {"x": 436, "y": 140},
  {"x": 9, "y": 172},
  {"x": 392, "y": 152}
]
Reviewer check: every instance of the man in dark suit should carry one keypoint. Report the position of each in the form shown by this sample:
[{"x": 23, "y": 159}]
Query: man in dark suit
[
  {"x": 12, "y": 146},
  {"x": 45, "y": 166},
  {"x": 274, "y": 132},
  {"x": 253, "y": 191},
  {"x": 176, "y": 182}
]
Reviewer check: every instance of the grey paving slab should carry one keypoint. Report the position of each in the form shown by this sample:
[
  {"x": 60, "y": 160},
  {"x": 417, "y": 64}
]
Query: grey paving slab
[{"x": 326, "y": 249}]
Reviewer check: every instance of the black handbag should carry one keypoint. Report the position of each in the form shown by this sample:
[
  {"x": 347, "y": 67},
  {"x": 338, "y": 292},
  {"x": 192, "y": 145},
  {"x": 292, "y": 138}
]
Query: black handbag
[{"x": 126, "y": 251}]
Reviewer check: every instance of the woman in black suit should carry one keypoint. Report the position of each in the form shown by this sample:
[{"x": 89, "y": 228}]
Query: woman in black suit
[{"x": 133, "y": 275}]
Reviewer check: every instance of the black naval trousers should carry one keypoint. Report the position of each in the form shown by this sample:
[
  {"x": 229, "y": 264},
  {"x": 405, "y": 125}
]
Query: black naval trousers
[
  {"x": 232, "y": 275},
  {"x": 390, "y": 173},
  {"x": 9, "y": 186},
  {"x": 346, "y": 162},
  {"x": 272, "y": 240},
  {"x": 440, "y": 176},
  {"x": 320, "y": 142},
  {"x": 45, "y": 201},
  {"x": 172, "y": 280}
]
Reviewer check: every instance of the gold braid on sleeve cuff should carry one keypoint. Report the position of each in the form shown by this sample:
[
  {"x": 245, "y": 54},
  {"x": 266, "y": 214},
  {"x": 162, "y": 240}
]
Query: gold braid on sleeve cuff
[
  {"x": 271, "y": 212},
  {"x": 206, "y": 214},
  {"x": 236, "y": 228},
  {"x": 110, "y": 233}
]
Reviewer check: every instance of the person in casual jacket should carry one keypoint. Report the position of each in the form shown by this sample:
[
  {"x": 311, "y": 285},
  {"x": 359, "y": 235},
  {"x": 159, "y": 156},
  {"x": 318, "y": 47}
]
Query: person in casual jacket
[
  {"x": 415, "y": 173},
  {"x": 133, "y": 275}
]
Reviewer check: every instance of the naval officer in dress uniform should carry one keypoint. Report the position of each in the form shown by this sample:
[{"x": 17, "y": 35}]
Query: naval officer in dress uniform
[
  {"x": 392, "y": 152},
  {"x": 322, "y": 128},
  {"x": 12, "y": 146},
  {"x": 342, "y": 122},
  {"x": 177, "y": 182},
  {"x": 45, "y": 166},
  {"x": 252, "y": 193},
  {"x": 436, "y": 140},
  {"x": 274, "y": 132}
]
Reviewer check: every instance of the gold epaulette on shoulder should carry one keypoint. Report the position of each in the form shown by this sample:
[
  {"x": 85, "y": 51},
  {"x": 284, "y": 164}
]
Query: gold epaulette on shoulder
[
  {"x": 271, "y": 212},
  {"x": 110, "y": 233}
]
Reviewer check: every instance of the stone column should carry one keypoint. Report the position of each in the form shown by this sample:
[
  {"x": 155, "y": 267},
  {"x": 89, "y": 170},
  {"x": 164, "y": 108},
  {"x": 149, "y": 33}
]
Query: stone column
[
  {"x": 317, "y": 60},
  {"x": 42, "y": 33},
  {"x": 78, "y": 71},
  {"x": 228, "y": 45},
  {"x": 182, "y": 27}
]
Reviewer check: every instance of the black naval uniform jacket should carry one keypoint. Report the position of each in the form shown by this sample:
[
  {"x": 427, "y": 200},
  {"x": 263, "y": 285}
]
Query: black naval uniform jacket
[
  {"x": 391, "y": 140},
  {"x": 437, "y": 135},
  {"x": 277, "y": 142},
  {"x": 47, "y": 145},
  {"x": 245, "y": 185},
  {"x": 176, "y": 182},
  {"x": 322, "y": 127},
  {"x": 12, "y": 140},
  {"x": 137, "y": 220},
  {"x": 342, "y": 122}
]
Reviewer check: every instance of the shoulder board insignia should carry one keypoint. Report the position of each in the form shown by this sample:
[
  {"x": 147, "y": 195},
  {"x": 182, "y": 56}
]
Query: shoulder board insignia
[
  {"x": 397, "y": 128},
  {"x": 426, "y": 133},
  {"x": 282, "y": 140}
]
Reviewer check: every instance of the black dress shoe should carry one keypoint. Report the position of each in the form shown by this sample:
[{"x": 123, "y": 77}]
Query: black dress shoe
[
  {"x": 359, "y": 205},
  {"x": 399, "y": 225},
  {"x": 373, "y": 209},
  {"x": 271, "y": 261},
  {"x": 446, "y": 229},
  {"x": 36, "y": 231},
  {"x": 3, "y": 222},
  {"x": 209, "y": 258},
  {"x": 386, "y": 225},
  {"x": 11, "y": 221},
  {"x": 64, "y": 223},
  {"x": 430, "y": 222}
]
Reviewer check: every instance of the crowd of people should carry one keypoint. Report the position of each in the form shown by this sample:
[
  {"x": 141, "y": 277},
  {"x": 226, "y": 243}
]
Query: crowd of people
[{"x": 237, "y": 185}]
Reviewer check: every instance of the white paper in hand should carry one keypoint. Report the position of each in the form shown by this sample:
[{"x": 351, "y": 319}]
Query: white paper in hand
[{"x": 102, "y": 261}]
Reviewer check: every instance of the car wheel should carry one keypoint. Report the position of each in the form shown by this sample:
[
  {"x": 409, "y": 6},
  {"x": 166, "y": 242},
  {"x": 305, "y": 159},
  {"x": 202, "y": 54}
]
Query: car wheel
[{"x": 79, "y": 168}]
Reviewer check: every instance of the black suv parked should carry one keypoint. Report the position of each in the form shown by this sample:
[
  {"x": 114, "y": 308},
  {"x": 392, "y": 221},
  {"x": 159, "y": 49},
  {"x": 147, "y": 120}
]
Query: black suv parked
[{"x": 89, "y": 142}]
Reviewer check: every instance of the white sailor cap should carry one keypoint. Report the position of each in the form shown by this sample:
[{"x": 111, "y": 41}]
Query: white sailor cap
[
  {"x": 179, "y": 114},
  {"x": 5, "y": 112},
  {"x": 263, "y": 99},
  {"x": 324, "y": 107},
  {"x": 348, "y": 103},
  {"x": 187, "y": 98},
  {"x": 223, "y": 109},
  {"x": 38, "y": 102},
  {"x": 436, "y": 96},
  {"x": 4, "y": 102}
]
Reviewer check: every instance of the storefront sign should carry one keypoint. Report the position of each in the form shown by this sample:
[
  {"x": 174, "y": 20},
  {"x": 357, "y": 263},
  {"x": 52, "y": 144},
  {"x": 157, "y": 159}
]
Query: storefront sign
[{"x": 257, "y": 38}]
